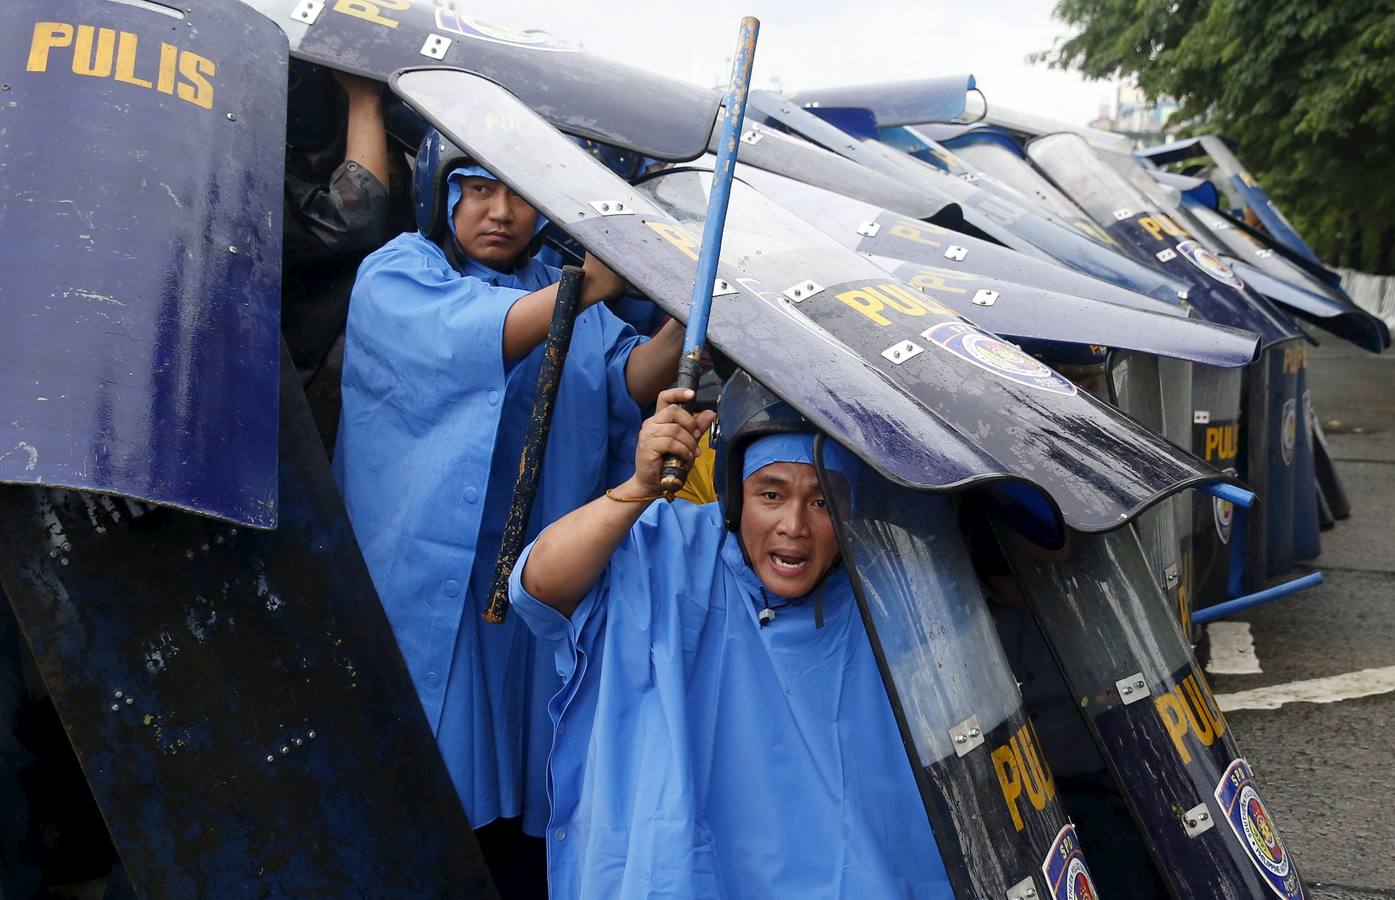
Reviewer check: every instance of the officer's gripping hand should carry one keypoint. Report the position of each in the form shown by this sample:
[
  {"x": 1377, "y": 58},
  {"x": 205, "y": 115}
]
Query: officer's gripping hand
[{"x": 672, "y": 431}]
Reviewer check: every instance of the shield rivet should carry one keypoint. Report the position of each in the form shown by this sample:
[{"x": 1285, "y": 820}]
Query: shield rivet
[
  {"x": 115, "y": 707},
  {"x": 311, "y": 735},
  {"x": 118, "y": 695},
  {"x": 285, "y": 750},
  {"x": 960, "y": 739},
  {"x": 1128, "y": 690},
  {"x": 299, "y": 742},
  {"x": 974, "y": 732},
  {"x": 188, "y": 554},
  {"x": 270, "y": 758},
  {"x": 232, "y": 117},
  {"x": 605, "y": 207},
  {"x": 63, "y": 561},
  {"x": 796, "y": 292},
  {"x": 130, "y": 700}
]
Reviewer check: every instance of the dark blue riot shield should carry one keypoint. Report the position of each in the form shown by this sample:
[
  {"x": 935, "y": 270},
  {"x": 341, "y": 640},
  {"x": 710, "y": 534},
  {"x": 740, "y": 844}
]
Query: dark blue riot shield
[
  {"x": 1235, "y": 182},
  {"x": 990, "y": 795},
  {"x": 1154, "y": 238},
  {"x": 235, "y": 696},
  {"x": 1218, "y": 432},
  {"x": 578, "y": 92},
  {"x": 142, "y": 223},
  {"x": 991, "y": 215},
  {"x": 1150, "y": 712},
  {"x": 1003, "y": 291},
  {"x": 1274, "y": 275},
  {"x": 968, "y": 407},
  {"x": 1029, "y": 306},
  {"x": 1285, "y": 529},
  {"x": 1283, "y": 281}
]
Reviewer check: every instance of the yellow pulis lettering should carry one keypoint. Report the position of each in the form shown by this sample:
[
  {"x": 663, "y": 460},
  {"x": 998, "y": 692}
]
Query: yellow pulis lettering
[
  {"x": 47, "y": 35},
  {"x": 198, "y": 90},
  {"x": 88, "y": 59},
  {"x": 371, "y": 10}
]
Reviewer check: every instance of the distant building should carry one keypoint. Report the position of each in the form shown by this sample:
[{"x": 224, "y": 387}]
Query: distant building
[{"x": 1147, "y": 122}]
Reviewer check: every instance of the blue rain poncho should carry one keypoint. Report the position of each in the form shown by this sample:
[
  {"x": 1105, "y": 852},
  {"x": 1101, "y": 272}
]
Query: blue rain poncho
[
  {"x": 698, "y": 755},
  {"x": 427, "y": 453}
]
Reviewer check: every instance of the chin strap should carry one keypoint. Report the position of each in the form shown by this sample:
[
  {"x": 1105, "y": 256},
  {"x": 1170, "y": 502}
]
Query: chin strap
[{"x": 767, "y": 613}]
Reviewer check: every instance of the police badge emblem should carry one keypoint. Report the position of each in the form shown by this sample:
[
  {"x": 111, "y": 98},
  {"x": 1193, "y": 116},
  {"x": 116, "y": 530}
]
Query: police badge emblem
[
  {"x": 1249, "y": 818},
  {"x": 997, "y": 356},
  {"x": 1066, "y": 873},
  {"x": 1209, "y": 263},
  {"x": 1288, "y": 436},
  {"x": 1223, "y": 511}
]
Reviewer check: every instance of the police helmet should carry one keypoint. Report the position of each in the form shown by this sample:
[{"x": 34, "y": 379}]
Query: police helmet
[
  {"x": 746, "y": 411},
  {"x": 436, "y": 159}
]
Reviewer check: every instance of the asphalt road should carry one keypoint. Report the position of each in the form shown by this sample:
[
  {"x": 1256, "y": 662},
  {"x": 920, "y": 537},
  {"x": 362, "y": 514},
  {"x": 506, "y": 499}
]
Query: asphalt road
[{"x": 1327, "y": 769}]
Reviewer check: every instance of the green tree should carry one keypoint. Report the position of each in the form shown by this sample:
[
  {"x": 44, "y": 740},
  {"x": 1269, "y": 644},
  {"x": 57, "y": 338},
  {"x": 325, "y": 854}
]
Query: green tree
[{"x": 1306, "y": 89}]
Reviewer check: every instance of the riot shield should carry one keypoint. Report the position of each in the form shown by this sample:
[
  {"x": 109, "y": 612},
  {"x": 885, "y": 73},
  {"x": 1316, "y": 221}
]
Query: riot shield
[
  {"x": 976, "y": 757},
  {"x": 894, "y": 103},
  {"x": 925, "y": 397},
  {"x": 1218, "y": 433},
  {"x": 771, "y": 150},
  {"x": 142, "y": 327},
  {"x": 1029, "y": 306},
  {"x": 1154, "y": 238},
  {"x": 236, "y": 697},
  {"x": 1153, "y": 718},
  {"x": 1273, "y": 275},
  {"x": 1285, "y": 529},
  {"x": 878, "y": 231},
  {"x": 991, "y": 153},
  {"x": 1306, "y": 295},
  {"x": 1158, "y": 393},
  {"x": 579, "y": 93},
  {"x": 998, "y": 219}
]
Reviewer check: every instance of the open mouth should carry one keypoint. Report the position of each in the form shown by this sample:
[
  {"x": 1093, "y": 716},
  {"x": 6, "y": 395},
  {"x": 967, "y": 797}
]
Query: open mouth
[{"x": 787, "y": 564}]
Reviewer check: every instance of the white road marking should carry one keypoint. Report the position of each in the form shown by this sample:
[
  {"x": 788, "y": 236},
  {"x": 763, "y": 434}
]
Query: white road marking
[
  {"x": 1232, "y": 649},
  {"x": 1365, "y": 683}
]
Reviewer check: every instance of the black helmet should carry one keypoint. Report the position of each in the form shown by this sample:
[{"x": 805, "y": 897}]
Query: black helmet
[
  {"x": 746, "y": 411},
  {"x": 436, "y": 159}
]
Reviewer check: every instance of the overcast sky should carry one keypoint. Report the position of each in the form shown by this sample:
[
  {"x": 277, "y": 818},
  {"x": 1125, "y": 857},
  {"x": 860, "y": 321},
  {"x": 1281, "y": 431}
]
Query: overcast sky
[{"x": 807, "y": 44}]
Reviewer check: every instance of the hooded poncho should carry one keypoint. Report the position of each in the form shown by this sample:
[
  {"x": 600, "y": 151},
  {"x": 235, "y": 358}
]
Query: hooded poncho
[
  {"x": 427, "y": 453},
  {"x": 698, "y": 755}
]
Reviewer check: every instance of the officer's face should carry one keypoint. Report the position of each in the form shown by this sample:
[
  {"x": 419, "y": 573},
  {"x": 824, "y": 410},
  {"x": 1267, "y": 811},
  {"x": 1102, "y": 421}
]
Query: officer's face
[
  {"x": 786, "y": 528},
  {"x": 492, "y": 223}
]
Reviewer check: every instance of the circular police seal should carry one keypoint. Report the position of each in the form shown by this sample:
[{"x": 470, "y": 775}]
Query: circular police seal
[
  {"x": 997, "y": 356},
  {"x": 471, "y": 27},
  {"x": 1260, "y": 834},
  {"x": 1209, "y": 263},
  {"x": 1288, "y": 433},
  {"x": 1078, "y": 883},
  {"x": 1223, "y": 511}
]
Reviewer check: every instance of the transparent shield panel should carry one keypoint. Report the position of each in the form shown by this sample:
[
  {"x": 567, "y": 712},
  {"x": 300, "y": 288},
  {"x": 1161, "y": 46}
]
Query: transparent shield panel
[
  {"x": 924, "y": 599},
  {"x": 1075, "y": 168},
  {"x": 983, "y": 776}
]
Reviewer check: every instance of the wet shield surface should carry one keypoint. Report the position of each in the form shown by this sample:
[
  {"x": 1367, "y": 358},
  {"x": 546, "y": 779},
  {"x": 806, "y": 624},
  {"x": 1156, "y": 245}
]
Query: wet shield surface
[
  {"x": 581, "y": 94},
  {"x": 1165, "y": 742},
  {"x": 978, "y": 763},
  {"x": 141, "y": 340},
  {"x": 236, "y": 698},
  {"x": 998, "y": 217},
  {"x": 1003, "y": 291},
  {"x": 968, "y": 407},
  {"x": 1154, "y": 238}
]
